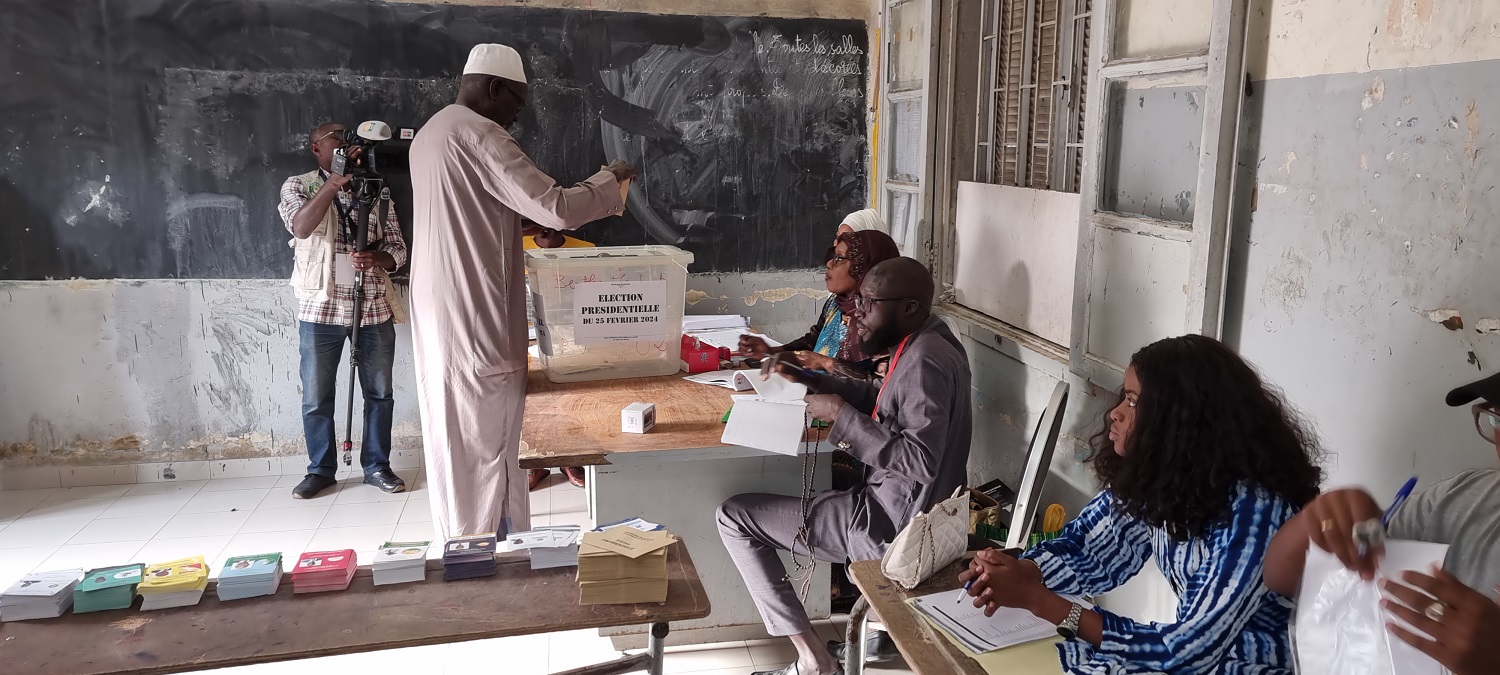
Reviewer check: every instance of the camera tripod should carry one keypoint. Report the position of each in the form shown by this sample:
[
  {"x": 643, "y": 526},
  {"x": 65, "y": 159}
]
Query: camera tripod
[{"x": 369, "y": 193}]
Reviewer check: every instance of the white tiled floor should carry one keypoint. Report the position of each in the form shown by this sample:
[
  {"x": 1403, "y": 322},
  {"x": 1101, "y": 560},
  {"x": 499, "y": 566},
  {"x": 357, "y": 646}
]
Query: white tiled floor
[{"x": 58, "y": 528}]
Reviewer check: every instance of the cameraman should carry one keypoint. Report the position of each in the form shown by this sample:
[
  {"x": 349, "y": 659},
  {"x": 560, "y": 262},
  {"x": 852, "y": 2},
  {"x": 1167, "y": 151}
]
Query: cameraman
[{"x": 319, "y": 210}]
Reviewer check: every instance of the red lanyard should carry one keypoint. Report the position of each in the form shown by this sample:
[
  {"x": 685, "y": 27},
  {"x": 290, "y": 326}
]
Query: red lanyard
[{"x": 896, "y": 358}]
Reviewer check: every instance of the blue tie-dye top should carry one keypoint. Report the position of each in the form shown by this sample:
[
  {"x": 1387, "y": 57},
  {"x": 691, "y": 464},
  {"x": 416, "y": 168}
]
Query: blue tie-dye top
[
  {"x": 834, "y": 331},
  {"x": 1227, "y": 621}
]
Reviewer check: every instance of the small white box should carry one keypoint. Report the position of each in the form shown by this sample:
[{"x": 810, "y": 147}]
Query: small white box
[{"x": 638, "y": 418}]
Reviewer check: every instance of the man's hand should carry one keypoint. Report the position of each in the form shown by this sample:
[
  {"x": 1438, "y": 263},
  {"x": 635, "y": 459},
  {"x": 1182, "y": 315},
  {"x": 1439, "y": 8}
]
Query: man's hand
[
  {"x": 780, "y": 364},
  {"x": 824, "y": 407},
  {"x": 1003, "y": 581},
  {"x": 622, "y": 170},
  {"x": 365, "y": 261},
  {"x": 336, "y": 181},
  {"x": 1330, "y": 524},
  {"x": 1464, "y": 624},
  {"x": 751, "y": 345}
]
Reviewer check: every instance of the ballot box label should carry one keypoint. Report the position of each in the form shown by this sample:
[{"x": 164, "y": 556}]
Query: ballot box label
[{"x": 620, "y": 311}]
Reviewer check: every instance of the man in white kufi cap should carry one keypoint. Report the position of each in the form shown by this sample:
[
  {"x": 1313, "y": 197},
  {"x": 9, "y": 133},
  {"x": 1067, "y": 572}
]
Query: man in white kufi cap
[{"x": 471, "y": 186}]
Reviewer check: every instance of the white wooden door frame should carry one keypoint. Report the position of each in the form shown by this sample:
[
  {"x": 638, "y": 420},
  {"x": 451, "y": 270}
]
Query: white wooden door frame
[
  {"x": 1222, "y": 70},
  {"x": 919, "y": 242}
]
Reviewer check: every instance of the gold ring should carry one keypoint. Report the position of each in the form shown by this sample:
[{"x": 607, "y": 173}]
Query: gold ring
[
  {"x": 1329, "y": 524},
  {"x": 1435, "y": 611}
]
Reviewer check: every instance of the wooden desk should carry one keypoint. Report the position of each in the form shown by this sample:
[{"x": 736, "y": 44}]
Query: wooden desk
[
  {"x": 926, "y": 652},
  {"x": 578, "y": 423},
  {"x": 677, "y": 475},
  {"x": 518, "y": 601}
]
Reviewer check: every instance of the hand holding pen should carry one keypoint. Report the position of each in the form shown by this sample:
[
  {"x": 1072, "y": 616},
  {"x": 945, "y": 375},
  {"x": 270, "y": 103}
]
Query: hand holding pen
[{"x": 1350, "y": 525}]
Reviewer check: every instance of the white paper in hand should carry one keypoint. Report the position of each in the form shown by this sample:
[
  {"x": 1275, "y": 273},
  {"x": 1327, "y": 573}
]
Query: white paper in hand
[
  {"x": 343, "y": 270},
  {"x": 1340, "y": 627},
  {"x": 773, "y": 420}
]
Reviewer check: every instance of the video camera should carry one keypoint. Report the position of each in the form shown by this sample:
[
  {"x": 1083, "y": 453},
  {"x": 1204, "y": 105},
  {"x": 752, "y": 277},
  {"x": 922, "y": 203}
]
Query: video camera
[{"x": 366, "y": 154}]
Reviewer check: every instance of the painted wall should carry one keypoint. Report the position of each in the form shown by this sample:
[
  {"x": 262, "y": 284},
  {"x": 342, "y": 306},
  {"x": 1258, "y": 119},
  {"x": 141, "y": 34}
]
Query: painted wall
[{"x": 119, "y": 372}]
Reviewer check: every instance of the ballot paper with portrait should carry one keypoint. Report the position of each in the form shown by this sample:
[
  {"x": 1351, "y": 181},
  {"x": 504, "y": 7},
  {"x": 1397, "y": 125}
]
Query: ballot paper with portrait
[{"x": 1340, "y": 626}]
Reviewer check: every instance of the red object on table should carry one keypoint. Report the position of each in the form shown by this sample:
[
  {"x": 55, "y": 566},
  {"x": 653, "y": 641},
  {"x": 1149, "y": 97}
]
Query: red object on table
[{"x": 701, "y": 357}]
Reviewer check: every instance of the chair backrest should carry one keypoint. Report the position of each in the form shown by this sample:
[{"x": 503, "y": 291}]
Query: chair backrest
[{"x": 1038, "y": 464}]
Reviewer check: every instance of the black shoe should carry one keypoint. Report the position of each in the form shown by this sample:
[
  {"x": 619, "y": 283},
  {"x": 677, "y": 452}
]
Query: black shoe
[
  {"x": 386, "y": 480},
  {"x": 311, "y": 485},
  {"x": 878, "y": 648}
]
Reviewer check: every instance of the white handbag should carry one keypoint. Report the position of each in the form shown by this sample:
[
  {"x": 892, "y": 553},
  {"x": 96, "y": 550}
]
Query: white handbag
[{"x": 930, "y": 542}]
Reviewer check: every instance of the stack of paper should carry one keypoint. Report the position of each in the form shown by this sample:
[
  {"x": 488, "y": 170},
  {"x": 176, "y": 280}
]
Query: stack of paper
[
  {"x": 550, "y": 546},
  {"x": 107, "y": 588},
  {"x": 324, "y": 571},
  {"x": 179, "y": 583},
  {"x": 40, "y": 595},
  {"x": 469, "y": 556},
  {"x": 737, "y": 380},
  {"x": 400, "y": 562},
  {"x": 633, "y": 523},
  {"x": 623, "y": 566},
  {"x": 774, "y": 419},
  {"x": 978, "y": 633},
  {"x": 249, "y": 576}
]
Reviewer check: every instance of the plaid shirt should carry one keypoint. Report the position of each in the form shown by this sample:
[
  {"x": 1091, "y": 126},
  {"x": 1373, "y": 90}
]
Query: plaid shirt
[{"x": 339, "y": 309}]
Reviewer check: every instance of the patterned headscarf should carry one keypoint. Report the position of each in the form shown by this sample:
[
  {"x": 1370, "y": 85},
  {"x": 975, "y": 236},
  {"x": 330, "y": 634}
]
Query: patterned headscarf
[{"x": 866, "y": 249}]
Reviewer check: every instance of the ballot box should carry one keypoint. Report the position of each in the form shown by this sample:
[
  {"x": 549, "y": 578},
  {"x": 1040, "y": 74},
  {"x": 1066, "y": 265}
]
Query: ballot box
[{"x": 609, "y": 312}]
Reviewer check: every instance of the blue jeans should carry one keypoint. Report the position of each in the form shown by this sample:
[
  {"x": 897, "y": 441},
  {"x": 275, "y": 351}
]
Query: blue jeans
[{"x": 322, "y": 345}]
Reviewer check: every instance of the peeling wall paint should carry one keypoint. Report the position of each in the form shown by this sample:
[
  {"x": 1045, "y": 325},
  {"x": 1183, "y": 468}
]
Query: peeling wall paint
[
  {"x": 1299, "y": 38},
  {"x": 831, "y": 9},
  {"x": 116, "y": 372}
]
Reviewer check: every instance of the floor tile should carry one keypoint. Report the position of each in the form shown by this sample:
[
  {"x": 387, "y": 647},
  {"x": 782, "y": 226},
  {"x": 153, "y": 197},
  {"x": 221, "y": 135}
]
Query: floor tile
[
  {"x": 363, "y": 515},
  {"x": 88, "y": 556},
  {"x": 416, "y": 511},
  {"x": 204, "y": 525},
  {"x": 358, "y": 538},
  {"x": 281, "y": 498},
  {"x": 148, "y": 505},
  {"x": 288, "y": 544},
  {"x": 33, "y": 533},
  {"x": 569, "y": 500},
  {"x": 367, "y": 494},
  {"x": 580, "y": 519},
  {"x": 285, "y": 520},
  {"x": 524, "y": 655},
  {"x": 103, "y": 531},
  {"x": 414, "y": 532},
  {"x": 166, "y": 488},
  {"x": 693, "y": 658},
  {"x": 91, "y": 492},
  {"x": 16, "y": 562},
  {"x": 774, "y": 655},
  {"x": 227, "y": 501},
  {"x": 63, "y": 509},
  {"x": 541, "y": 502},
  {"x": 575, "y": 649},
  {"x": 164, "y": 550},
  {"x": 289, "y": 480},
  {"x": 246, "y": 483}
]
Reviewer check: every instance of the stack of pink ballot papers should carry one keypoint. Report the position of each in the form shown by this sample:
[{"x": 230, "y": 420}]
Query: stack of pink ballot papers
[{"x": 324, "y": 571}]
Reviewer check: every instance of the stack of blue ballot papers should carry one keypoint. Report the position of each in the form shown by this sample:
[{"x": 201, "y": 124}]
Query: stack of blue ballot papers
[
  {"x": 250, "y": 576},
  {"x": 469, "y": 557}
]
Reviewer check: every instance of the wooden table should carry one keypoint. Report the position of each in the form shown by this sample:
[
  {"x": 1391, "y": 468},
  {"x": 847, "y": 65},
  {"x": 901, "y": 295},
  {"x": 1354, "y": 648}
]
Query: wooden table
[
  {"x": 677, "y": 475},
  {"x": 925, "y": 650},
  {"x": 518, "y": 601},
  {"x": 578, "y": 423}
]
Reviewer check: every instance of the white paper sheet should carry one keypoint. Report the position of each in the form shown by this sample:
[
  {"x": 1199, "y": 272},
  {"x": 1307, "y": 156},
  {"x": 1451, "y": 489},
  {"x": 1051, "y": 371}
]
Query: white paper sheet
[
  {"x": 773, "y": 426},
  {"x": 728, "y": 338},
  {"x": 1340, "y": 627},
  {"x": 343, "y": 270},
  {"x": 981, "y": 634},
  {"x": 698, "y": 322}
]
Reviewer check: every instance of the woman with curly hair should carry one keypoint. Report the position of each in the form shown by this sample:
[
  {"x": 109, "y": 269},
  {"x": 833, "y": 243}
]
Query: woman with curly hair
[
  {"x": 1201, "y": 463},
  {"x": 833, "y": 343}
]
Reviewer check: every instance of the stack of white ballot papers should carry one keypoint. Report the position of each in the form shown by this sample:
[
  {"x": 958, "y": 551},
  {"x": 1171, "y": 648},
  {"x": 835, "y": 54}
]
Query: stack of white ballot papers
[
  {"x": 550, "y": 547},
  {"x": 979, "y": 633},
  {"x": 400, "y": 562},
  {"x": 40, "y": 595},
  {"x": 774, "y": 419},
  {"x": 701, "y": 322}
]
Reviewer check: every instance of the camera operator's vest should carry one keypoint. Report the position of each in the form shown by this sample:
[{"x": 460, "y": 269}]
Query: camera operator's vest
[{"x": 312, "y": 258}]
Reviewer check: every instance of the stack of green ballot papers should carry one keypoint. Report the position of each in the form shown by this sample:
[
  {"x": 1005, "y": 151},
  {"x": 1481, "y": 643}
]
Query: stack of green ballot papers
[
  {"x": 107, "y": 588},
  {"x": 249, "y": 576}
]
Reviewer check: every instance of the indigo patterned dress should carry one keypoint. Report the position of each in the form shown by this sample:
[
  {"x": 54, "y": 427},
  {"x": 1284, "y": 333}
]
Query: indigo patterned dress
[{"x": 1227, "y": 621}]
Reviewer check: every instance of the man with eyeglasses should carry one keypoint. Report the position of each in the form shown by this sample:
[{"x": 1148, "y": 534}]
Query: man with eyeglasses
[
  {"x": 319, "y": 210},
  {"x": 911, "y": 430},
  {"x": 472, "y": 184},
  {"x": 1456, "y": 606}
]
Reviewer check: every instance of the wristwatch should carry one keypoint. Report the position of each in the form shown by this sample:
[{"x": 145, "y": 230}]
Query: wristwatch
[{"x": 1069, "y": 627}]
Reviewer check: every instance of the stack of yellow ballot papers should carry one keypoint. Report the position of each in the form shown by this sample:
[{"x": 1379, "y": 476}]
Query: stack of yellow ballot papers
[
  {"x": 179, "y": 583},
  {"x": 623, "y": 566}
]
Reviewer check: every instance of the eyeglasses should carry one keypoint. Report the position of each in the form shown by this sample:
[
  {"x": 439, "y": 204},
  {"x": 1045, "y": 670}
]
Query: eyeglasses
[
  {"x": 864, "y": 304},
  {"x": 836, "y": 260},
  {"x": 1485, "y": 421},
  {"x": 335, "y": 132}
]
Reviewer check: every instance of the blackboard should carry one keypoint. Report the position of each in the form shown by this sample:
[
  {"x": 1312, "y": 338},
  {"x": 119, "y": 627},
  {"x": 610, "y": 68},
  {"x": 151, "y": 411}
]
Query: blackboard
[{"x": 149, "y": 138}]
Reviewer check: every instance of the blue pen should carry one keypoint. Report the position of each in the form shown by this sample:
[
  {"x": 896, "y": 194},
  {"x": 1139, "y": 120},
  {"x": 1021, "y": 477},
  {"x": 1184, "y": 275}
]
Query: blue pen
[
  {"x": 1396, "y": 503},
  {"x": 964, "y": 591}
]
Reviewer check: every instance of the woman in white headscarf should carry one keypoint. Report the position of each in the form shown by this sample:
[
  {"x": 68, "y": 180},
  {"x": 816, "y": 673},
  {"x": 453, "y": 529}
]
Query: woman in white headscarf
[{"x": 860, "y": 221}]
